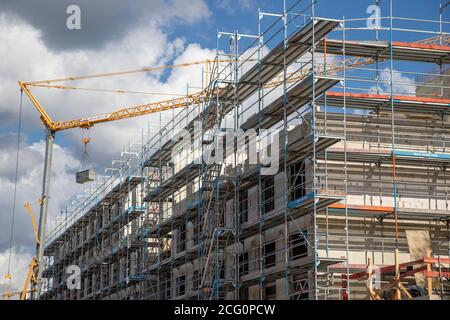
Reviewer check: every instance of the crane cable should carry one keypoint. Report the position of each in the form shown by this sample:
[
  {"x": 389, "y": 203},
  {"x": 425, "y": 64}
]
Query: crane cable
[
  {"x": 121, "y": 73},
  {"x": 8, "y": 275},
  {"x": 86, "y": 139},
  {"x": 108, "y": 90}
]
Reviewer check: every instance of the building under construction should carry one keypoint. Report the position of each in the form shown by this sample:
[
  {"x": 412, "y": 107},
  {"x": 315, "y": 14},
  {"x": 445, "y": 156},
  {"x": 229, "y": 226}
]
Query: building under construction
[{"x": 329, "y": 180}]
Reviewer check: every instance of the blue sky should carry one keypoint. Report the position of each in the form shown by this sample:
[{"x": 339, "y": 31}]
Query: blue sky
[
  {"x": 245, "y": 20},
  {"x": 242, "y": 16},
  {"x": 224, "y": 15}
]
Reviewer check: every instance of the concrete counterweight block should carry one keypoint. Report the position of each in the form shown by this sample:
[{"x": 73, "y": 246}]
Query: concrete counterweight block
[{"x": 85, "y": 176}]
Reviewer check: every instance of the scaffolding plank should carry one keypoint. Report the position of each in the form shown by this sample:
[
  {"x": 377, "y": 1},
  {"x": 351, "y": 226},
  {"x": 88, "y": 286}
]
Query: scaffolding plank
[
  {"x": 382, "y": 101},
  {"x": 374, "y": 155},
  {"x": 298, "y": 96},
  {"x": 360, "y": 207},
  {"x": 355, "y": 154},
  {"x": 423, "y": 214},
  {"x": 330, "y": 196},
  {"x": 273, "y": 63},
  {"x": 358, "y": 210},
  {"x": 304, "y": 146},
  {"x": 401, "y": 50},
  {"x": 422, "y": 156},
  {"x": 384, "y": 119}
]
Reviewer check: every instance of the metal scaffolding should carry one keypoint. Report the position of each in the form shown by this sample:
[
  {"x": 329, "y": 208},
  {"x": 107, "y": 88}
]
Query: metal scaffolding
[{"x": 361, "y": 155}]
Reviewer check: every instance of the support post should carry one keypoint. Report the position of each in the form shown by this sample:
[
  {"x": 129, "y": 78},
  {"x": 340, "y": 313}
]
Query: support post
[
  {"x": 429, "y": 279},
  {"x": 40, "y": 246}
]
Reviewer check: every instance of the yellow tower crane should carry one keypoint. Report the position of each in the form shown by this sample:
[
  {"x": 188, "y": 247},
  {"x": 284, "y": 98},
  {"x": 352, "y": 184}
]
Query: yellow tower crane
[{"x": 36, "y": 267}]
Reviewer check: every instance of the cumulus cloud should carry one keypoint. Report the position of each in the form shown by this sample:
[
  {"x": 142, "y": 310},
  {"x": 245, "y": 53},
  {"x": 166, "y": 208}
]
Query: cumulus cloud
[
  {"x": 28, "y": 188},
  {"x": 28, "y": 58},
  {"x": 30, "y": 51},
  {"x": 102, "y": 21},
  {"x": 402, "y": 84},
  {"x": 231, "y": 7},
  {"x": 20, "y": 260}
]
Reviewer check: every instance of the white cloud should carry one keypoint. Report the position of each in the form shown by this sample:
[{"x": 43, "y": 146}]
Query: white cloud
[
  {"x": 26, "y": 57},
  {"x": 231, "y": 7},
  {"x": 102, "y": 21},
  {"x": 28, "y": 190},
  {"x": 19, "y": 268},
  {"x": 402, "y": 85},
  {"x": 29, "y": 186}
]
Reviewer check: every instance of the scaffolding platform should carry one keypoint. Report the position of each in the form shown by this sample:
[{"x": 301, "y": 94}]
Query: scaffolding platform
[
  {"x": 322, "y": 142},
  {"x": 404, "y": 213},
  {"x": 406, "y": 269},
  {"x": 274, "y": 62},
  {"x": 298, "y": 96},
  {"x": 323, "y": 198},
  {"x": 173, "y": 182},
  {"x": 422, "y": 158},
  {"x": 359, "y": 210},
  {"x": 408, "y": 51},
  {"x": 383, "y": 102},
  {"x": 423, "y": 214},
  {"x": 384, "y": 155}
]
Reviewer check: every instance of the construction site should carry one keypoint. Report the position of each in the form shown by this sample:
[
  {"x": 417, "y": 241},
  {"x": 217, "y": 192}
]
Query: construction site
[{"x": 311, "y": 165}]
